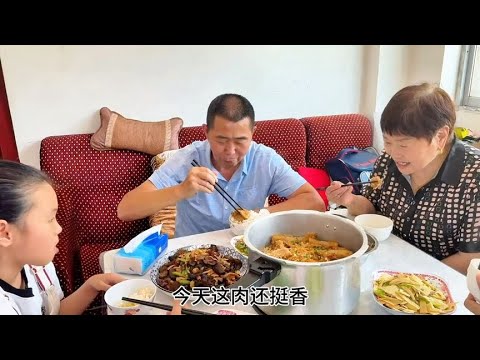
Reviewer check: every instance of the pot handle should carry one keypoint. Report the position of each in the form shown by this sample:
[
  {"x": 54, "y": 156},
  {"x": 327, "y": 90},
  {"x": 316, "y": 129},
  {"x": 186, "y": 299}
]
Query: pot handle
[
  {"x": 372, "y": 244},
  {"x": 261, "y": 271}
]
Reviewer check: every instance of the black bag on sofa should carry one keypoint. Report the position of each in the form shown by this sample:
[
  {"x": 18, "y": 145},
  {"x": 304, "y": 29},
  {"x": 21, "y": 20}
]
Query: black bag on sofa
[{"x": 352, "y": 165}]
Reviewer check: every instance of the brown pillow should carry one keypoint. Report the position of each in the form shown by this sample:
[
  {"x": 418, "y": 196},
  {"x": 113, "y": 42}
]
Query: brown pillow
[
  {"x": 167, "y": 215},
  {"x": 118, "y": 132}
]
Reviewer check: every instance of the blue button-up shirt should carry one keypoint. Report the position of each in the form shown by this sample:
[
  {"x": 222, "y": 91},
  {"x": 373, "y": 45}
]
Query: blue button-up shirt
[{"x": 262, "y": 172}]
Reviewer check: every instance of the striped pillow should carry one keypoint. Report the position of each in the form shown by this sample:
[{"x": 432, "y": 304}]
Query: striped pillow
[{"x": 118, "y": 132}]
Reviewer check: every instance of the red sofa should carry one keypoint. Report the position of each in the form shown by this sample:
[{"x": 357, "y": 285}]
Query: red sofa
[{"x": 90, "y": 183}]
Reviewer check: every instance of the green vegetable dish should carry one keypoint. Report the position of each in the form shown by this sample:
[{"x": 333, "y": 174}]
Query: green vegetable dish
[{"x": 241, "y": 247}]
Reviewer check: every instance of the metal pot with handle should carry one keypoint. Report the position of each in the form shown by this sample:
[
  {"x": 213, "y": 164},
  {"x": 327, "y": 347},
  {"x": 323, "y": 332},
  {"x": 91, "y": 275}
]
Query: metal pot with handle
[{"x": 333, "y": 287}]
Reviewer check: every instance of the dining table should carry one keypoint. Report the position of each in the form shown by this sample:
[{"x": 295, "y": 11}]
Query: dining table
[{"x": 392, "y": 254}]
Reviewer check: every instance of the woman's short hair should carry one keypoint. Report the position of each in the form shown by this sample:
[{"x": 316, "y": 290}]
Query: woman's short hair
[{"x": 418, "y": 111}]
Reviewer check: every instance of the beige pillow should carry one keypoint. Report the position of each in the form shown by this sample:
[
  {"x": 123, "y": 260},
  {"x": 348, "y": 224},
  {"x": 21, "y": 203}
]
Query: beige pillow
[
  {"x": 159, "y": 159},
  {"x": 167, "y": 215},
  {"x": 118, "y": 132}
]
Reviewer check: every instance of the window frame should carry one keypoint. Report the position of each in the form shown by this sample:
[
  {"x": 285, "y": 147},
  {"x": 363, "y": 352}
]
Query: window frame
[{"x": 466, "y": 75}]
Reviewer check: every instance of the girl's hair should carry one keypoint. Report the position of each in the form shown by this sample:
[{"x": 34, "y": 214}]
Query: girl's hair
[
  {"x": 418, "y": 111},
  {"x": 17, "y": 181}
]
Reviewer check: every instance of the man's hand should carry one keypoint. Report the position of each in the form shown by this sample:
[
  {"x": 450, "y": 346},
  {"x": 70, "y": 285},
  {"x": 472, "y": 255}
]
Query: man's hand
[{"x": 199, "y": 179}]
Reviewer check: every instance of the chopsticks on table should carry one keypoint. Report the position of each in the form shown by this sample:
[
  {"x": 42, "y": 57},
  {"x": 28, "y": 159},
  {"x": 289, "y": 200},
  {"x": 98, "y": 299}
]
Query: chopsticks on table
[
  {"x": 225, "y": 195},
  {"x": 350, "y": 184},
  {"x": 165, "y": 307}
]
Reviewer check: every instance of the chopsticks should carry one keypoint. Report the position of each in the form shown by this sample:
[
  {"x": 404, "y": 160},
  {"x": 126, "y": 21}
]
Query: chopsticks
[
  {"x": 351, "y": 184},
  {"x": 224, "y": 194},
  {"x": 165, "y": 307}
]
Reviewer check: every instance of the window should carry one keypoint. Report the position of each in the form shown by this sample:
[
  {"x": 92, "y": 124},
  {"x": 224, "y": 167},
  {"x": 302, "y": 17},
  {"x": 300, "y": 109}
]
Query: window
[{"x": 470, "y": 76}]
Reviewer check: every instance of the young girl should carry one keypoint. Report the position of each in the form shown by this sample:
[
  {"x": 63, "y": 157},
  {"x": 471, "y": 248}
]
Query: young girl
[{"x": 28, "y": 238}]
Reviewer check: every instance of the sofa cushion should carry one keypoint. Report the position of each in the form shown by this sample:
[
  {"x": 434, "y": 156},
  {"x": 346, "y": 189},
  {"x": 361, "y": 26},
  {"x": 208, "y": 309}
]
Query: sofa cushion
[
  {"x": 327, "y": 135},
  {"x": 89, "y": 186},
  {"x": 190, "y": 134},
  {"x": 89, "y": 257},
  {"x": 166, "y": 216},
  {"x": 97, "y": 207},
  {"x": 289, "y": 141},
  {"x": 316, "y": 178},
  {"x": 118, "y": 132}
]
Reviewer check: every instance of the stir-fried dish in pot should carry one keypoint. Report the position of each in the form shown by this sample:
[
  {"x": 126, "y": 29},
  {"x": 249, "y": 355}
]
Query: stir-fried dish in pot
[
  {"x": 199, "y": 267},
  {"x": 306, "y": 248}
]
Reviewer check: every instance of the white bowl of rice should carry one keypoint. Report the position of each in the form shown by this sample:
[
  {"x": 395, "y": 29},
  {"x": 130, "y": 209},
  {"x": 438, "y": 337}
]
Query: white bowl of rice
[
  {"x": 141, "y": 289},
  {"x": 238, "y": 224}
]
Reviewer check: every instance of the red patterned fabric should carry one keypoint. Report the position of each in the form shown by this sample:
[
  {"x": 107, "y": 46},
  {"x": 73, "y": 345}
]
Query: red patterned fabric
[
  {"x": 89, "y": 186},
  {"x": 327, "y": 135},
  {"x": 286, "y": 136},
  {"x": 190, "y": 134},
  {"x": 89, "y": 256},
  {"x": 289, "y": 141}
]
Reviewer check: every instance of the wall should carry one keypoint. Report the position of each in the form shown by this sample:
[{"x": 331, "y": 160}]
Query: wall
[
  {"x": 385, "y": 72},
  {"x": 425, "y": 63},
  {"x": 388, "y": 68},
  {"x": 450, "y": 69},
  {"x": 469, "y": 119},
  {"x": 55, "y": 90}
]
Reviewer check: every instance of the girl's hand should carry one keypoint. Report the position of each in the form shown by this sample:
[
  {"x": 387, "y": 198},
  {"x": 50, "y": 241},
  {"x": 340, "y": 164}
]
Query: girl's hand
[
  {"x": 176, "y": 308},
  {"x": 103, "y": 282}
]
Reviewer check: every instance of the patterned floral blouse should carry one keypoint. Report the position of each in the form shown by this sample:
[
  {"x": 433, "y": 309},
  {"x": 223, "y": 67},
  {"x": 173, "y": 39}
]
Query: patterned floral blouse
[{"x": 443, "y": 217}]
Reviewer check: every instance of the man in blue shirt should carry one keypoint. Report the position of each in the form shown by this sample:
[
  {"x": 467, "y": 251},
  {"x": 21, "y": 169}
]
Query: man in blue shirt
[{"x": 248, "y": 171}]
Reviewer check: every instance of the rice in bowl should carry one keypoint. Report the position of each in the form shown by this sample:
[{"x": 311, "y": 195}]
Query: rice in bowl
[{"x": 145, "y": 293}]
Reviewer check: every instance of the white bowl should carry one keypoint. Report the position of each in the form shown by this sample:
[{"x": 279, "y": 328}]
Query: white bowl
[
  {"x": 472, "y": 283},
  {"x": 234, "y": 241},
  {"x": 238, "y": 228},
  {"x": 128, "y": 288},
  {"x": 377, "y": 225}
]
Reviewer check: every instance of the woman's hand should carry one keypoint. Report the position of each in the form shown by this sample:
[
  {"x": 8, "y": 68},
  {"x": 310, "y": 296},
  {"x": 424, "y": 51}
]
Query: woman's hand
[
  {"x": 340, "y": 195},
  {"x": 103, "y": 282},
  {"x": 470, "y": 302}
]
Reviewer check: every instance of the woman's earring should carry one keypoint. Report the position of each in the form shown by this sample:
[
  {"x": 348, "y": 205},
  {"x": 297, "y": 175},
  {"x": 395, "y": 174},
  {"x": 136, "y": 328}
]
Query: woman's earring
[{"x": 440, "y": 151}]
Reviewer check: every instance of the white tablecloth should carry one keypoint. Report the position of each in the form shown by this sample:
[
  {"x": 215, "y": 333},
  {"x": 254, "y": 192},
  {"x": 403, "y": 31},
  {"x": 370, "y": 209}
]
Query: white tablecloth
[{"x": 392, "y": 254}]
